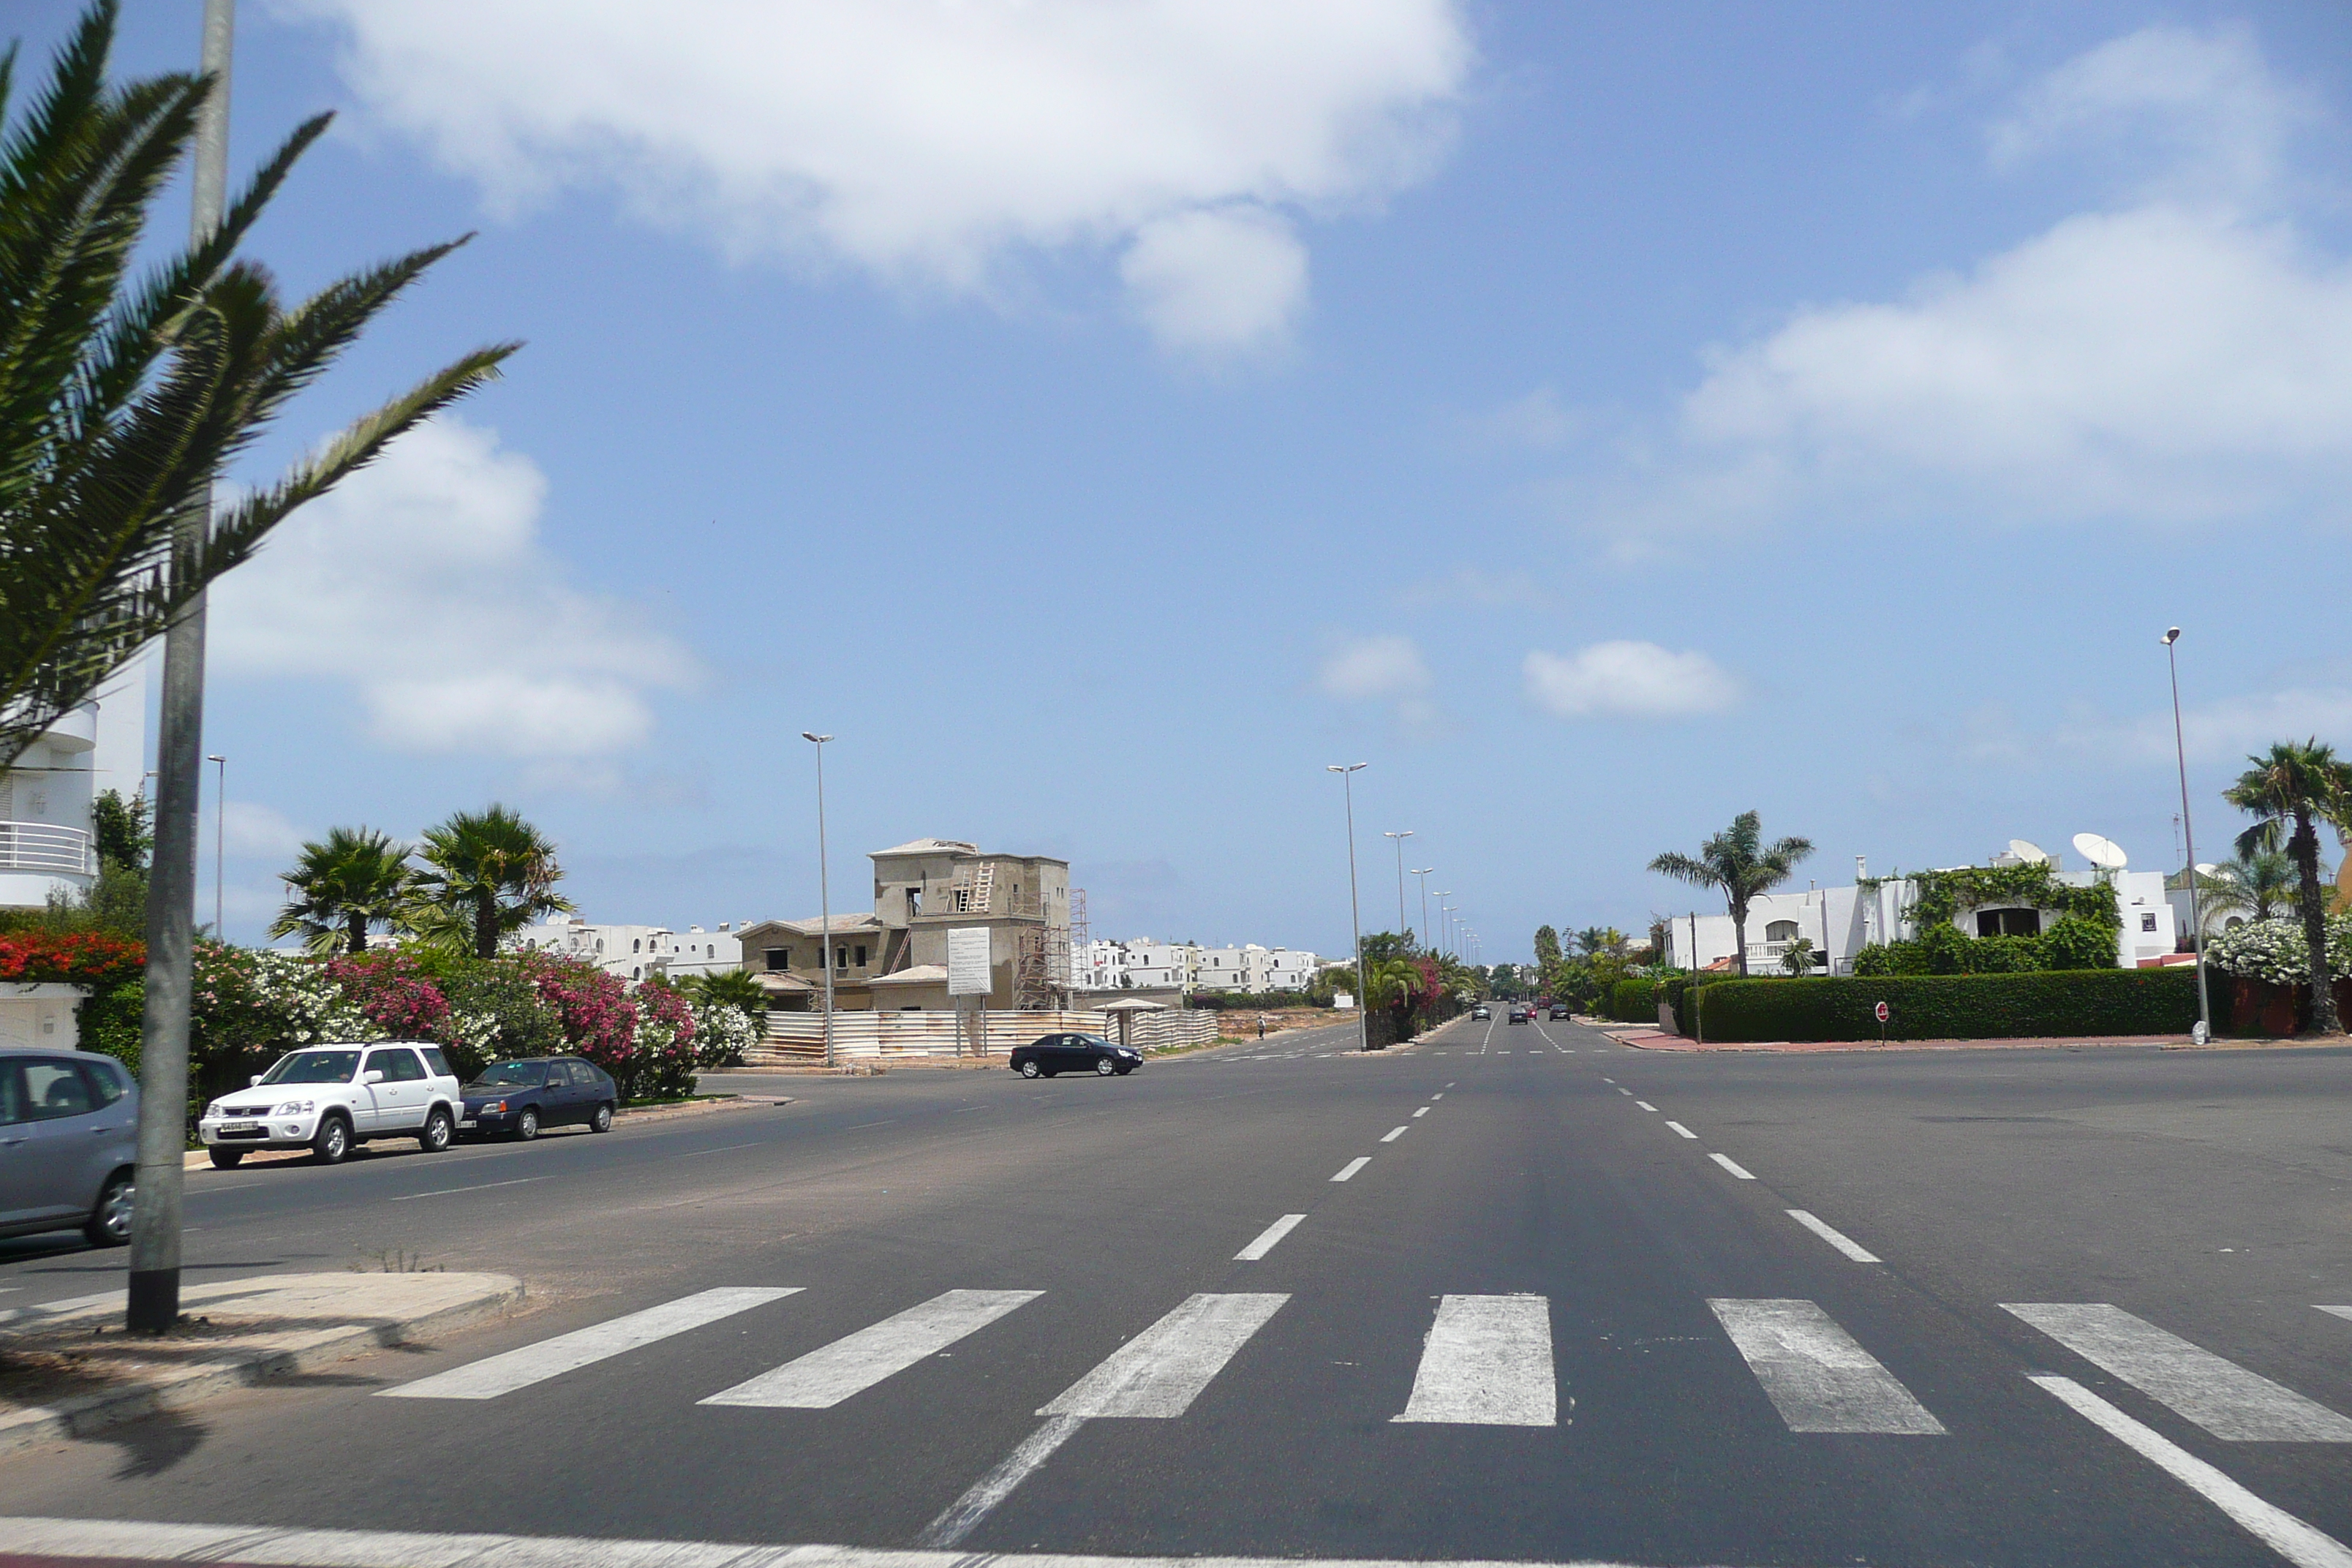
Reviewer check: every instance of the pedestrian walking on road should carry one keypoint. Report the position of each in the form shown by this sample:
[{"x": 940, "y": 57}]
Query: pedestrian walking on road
[{"x": 1261, "y": 1025}]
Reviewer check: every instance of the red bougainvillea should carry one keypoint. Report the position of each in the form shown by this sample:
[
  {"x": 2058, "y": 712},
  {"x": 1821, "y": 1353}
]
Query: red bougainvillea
[
  {"x": 85, "y": 958},
  {"x": 394, "y": 992}
]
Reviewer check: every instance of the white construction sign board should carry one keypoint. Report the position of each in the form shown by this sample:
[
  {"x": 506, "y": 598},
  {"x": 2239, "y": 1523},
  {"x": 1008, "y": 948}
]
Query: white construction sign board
[{"x": 968, "y": 961}]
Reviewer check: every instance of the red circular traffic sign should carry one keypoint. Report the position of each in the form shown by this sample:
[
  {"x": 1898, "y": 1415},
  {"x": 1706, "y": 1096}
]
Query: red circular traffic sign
[{"x": 1884, "y": 1011}]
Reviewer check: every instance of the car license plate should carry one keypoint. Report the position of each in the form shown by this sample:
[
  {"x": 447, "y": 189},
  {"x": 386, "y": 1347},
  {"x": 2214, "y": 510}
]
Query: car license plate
[
  {"x": 467, "y": 1122},
  {"x": 240, "y": 1127}
]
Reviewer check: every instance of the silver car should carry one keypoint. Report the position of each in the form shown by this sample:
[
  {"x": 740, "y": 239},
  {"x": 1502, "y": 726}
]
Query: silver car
[{"x": 69, "y": 1143}]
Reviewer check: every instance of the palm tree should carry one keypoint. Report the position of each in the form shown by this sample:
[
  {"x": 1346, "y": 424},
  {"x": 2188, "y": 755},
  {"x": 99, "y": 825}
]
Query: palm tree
[
  {"x": 2257, "y": 883},
  {"x": 357, "y": 879},
  {"x": 2305, "y": 785},
  {"x": 1741, "y": 865},
  {"x": 730, "y": 988},
  {"x": 121, "y": 400},
  {"x": 488, "y": 874}
]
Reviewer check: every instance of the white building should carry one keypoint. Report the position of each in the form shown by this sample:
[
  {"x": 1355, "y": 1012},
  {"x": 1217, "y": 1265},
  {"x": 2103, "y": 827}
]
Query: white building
[
  {"x": 46, "y": 844},
  {"x": 1144, "y": 963},
  {"x": 1840, "y": 922},
  {"x": 639, "y": 952}
]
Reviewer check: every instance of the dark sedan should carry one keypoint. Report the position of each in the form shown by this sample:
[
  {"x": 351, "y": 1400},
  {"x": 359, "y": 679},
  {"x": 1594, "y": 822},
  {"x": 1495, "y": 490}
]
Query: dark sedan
[
  {"x": 1050, "y": 1054},
  {"x": 1559, "y": 1010},
  {"x": 521, "y": 1097}
]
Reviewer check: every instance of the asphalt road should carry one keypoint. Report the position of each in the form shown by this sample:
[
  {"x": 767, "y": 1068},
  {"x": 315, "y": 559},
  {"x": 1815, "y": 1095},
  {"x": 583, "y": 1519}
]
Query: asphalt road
[{"x": 1565, "y": 1314}]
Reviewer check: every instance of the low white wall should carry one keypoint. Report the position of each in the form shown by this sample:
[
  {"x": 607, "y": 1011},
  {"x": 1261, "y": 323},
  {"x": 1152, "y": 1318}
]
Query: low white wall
[
  {"x": 41, "y": 1016},
  {"x": 864, "y": 1035}
]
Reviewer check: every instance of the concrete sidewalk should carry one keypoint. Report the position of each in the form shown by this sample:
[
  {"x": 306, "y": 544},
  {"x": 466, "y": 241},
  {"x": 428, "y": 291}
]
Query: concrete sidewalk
[{"x": 66, "y": 1368}]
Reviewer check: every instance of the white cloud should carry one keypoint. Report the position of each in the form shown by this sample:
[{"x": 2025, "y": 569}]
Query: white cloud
[
  {"x": 1469, "y": 585},
  {"x": 2195, "y": 113},
  {"x": 2178, "y": 358},
  {"x": 1386, "y": 668},
  {"x": 2223, "y": 730},
  {"x": 1538, "y": 420},
  {"x": 1628, "y": 679},
  {"x": 933, "y": 140},
  {"x": 249, "y": 827},
  {"x": 420, "y": 582},
  {"x": 1213, "y": 283}
]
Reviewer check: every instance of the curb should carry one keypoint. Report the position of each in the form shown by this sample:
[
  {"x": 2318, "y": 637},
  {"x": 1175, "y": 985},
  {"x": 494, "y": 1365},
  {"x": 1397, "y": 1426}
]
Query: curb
[
  {"x": 199, "y": 1160},
  {"x": 89, "y": 1413}
]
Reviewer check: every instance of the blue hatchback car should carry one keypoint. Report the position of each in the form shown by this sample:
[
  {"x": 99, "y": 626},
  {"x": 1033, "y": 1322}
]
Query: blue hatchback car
[{"x": 519, "y": 1099}]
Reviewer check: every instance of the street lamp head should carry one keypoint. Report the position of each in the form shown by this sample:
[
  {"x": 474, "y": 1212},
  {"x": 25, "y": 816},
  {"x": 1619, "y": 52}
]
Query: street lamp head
[
  {"x": 1343, "y": 768},
  {"x": 2171, "y": 636},
  {"x": 215, "y": 758},
  {"x": 812, "y": 735}
]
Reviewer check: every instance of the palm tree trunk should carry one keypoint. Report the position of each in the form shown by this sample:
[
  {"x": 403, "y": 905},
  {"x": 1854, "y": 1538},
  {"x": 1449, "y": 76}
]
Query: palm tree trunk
[
  {"x": 2305, "y": 847},
  {"x": 1738, "y": 934},
  {"x": 486, "y": 926},
  {"x": 355, "y": 932}
]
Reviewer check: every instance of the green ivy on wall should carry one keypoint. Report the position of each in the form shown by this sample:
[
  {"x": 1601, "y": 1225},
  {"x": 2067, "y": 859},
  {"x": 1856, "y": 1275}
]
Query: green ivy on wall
[{"x": 2082, "y": 936}]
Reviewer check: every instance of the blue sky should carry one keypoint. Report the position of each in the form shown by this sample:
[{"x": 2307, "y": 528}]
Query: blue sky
[{"x": 1600, "y": 420}]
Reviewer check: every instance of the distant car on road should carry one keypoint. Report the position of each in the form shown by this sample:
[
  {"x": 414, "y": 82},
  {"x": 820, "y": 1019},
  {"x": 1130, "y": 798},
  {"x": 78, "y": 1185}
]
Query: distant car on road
[
  {"x": 1559, "y": 1010},
  {"x": 1523, "y": 1014},
  {"x": 1050, "y": 1054},
  {"x": 332, "y": 1098},
  {"x": 1482, "y": 1011},
  {"x": 521, "y": 1097},
  {"x": 69, "y": 1144}
]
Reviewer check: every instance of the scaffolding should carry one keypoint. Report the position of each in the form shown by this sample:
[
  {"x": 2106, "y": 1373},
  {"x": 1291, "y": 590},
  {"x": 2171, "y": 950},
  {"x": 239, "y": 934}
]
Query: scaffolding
[{"x": 1041, "y": 963}]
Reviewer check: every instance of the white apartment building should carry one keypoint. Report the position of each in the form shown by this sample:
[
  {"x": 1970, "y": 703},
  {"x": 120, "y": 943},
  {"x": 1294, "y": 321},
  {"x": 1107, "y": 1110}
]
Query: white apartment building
[
  {"x": 1145, "y": 963},
  {"x": 46, "y": 844},
  {"x": 639, "y": 952}
]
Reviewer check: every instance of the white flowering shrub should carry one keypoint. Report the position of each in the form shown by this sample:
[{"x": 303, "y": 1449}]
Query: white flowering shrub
[
  {"x": 2275, "y": 950},
  {"x": 722, "y": 1033}
]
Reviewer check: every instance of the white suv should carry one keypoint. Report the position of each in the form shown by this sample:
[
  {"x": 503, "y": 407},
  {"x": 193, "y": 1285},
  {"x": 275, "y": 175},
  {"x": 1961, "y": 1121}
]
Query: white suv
[{"x": 330, "y": 1097}]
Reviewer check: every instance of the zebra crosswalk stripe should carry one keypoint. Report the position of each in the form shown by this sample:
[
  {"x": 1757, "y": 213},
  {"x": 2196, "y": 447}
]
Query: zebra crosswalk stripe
[
  {"x": 1815, "y": 1375},
  {"x": 856, "y": 1363},
  {"x": 2219, "y": 1395},
  {"x": 1163, "y": 1370},
  {"x": 520, "y": 1368},
  {"x": 1487, "y": 1363}
]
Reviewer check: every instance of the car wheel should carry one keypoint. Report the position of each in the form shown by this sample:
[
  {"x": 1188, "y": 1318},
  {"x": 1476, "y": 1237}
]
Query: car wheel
[
  {"x": 438, "y": 1134},
  {"x": 527, "y": 1124},
  {"x": 1105, "y": 1067},
  {"x": 110, "y": 1221},
  {"x": 603, "y": 1120},
  {"x": 333, "y": 1146},
  {"x": 1031, "y": 1070},
  {"x": 227, "y": 1158}
]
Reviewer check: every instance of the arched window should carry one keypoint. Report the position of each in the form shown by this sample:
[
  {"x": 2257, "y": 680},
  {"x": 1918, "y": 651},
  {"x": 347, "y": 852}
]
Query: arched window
[{"x": 1781, "y": 930}]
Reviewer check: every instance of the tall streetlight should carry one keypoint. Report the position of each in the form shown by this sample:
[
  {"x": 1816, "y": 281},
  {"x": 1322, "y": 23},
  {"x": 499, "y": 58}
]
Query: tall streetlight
[
  {"x": 1400, "y": 838},
  {"x": 823, "y": 891},
  {"x": 1348, "y": 771},
  {"x": 2196, "y": 912},
  {"x": 153, "y": 1301},
  {"x": 1445, "y": 920},
  {"x": 220, "y": 839},
  {"x": 1428, "y": 945}
]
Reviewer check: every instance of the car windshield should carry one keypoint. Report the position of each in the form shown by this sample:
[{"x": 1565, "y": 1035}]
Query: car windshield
[
  {"x": 314, "y": 1067},
  {"x": 512, "y": 1073}
]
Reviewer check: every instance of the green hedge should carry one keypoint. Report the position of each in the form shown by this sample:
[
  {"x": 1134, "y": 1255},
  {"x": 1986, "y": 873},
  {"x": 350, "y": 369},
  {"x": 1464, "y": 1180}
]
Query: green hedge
[
  {"x": 1633, "y": 1001},
  {"x": 1954, "y": 1006},
  {"x": 1677, "y": 989}
]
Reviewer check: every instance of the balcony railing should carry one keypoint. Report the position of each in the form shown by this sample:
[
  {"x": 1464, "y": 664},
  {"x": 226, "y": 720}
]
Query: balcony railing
[{"x": 46, "y": 848}]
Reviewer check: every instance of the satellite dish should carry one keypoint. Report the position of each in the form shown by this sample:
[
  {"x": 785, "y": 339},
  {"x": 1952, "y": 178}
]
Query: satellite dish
[
  {"x": 2028, "y": 851},
  {"x": 2103, "y": 853}
]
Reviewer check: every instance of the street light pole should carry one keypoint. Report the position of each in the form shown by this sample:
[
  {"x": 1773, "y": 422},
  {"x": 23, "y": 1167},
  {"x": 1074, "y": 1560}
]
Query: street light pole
[
  {"x": 1400, "y": 838},
  {"x": 153, "y": 1301},
  {"x": 220, "y": 839},
  {"x": 1348, "y": 771},
  {"x": 823, "y": 891},
  {"x": 1428, "y": 945},
  {"x": 1445, "y": 920},
  {"x": 2196, "y": 912}
]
